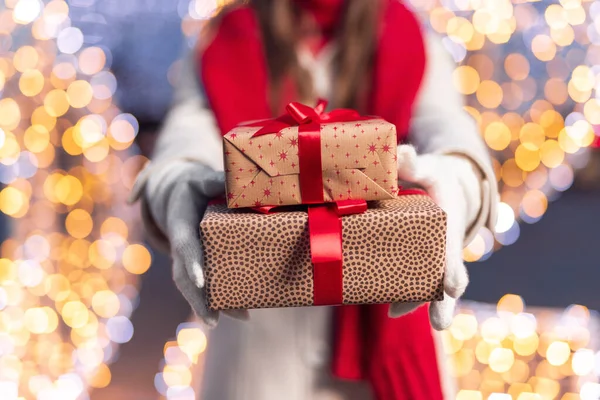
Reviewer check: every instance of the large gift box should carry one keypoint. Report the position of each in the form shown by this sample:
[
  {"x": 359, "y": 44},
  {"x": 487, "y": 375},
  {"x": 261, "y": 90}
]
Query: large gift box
[
  {"x": 392, "y": 252},
  {"x": 308, "y": 157}
]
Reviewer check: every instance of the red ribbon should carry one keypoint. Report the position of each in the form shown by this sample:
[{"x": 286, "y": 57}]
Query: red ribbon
[
  {"x": 325, "y": 233},
  {"x": 325, "y": 236},
  {"x": 309, "y": 122}
]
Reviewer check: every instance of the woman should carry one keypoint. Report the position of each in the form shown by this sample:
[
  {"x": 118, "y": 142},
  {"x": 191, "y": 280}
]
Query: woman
[{"x": 363, "y": 54}]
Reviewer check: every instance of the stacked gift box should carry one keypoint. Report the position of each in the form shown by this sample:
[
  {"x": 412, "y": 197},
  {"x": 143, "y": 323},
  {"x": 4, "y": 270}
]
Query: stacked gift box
[{"x": 314, "y": 216}]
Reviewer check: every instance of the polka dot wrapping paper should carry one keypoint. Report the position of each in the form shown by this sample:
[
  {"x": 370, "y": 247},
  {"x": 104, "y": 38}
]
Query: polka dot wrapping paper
[{"x": 395, "y": 251}]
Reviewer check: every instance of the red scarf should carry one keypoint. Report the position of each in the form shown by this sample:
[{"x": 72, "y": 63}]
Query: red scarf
[{"x": 397, "y": 356}]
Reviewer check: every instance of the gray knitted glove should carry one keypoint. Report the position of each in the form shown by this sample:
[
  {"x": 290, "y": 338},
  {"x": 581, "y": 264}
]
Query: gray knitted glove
[
  {"x": 452, "y": 183},
  {"x": 177, "y": 198}
]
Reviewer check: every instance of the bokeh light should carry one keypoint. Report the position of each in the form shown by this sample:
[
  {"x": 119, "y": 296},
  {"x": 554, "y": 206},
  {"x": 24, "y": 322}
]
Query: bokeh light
[
  {"x": 65, "y": 294},
  {"x": 533, "y": 356},
  {"x": 528, "y": 70}
]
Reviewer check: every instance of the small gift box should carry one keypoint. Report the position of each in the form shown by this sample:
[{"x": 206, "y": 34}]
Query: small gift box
[
  {"x": 394, "y": 251},
  {"x": 310, "y": 157}
]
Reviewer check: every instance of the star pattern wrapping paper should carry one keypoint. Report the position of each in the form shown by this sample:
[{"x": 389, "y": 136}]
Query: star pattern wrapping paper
[{"x": 358, "y": 162}]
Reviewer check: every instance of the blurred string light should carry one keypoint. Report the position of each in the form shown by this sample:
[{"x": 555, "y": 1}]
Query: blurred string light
[
  {"x": 68, "y": 272},
  {"x": 506, "y": 352},
  {"x": 530, "y": 73},
  {"x": 179, "y": 371}
]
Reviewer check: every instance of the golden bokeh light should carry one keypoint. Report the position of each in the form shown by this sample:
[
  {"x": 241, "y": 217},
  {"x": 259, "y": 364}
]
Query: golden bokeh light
[
  {"x": 136, "y": 259},
  {"x": 450, "y": 343},
  {"x": 519, "y": 372},
  {"x": 529, "y": 396},
  {"x": 583, "y": 362},
  {"x": 583, "y": 78},
  {"x": 591, "y": 111},
  {"x": 26, "y": 57},
  {"x": 10, "y": 114},
  {"x": 31, "y": 82},
  {"x": 567, "y": 143},
  {"x": 79, "y": 223},
  {"x": 177, "y": 375},
  {"x": 494, "y": 330},
  {"x": 517, "y": 66},
  {"x": 92, "y": 60},
  {"x": 122, "y": 131},
  {"x": 56, "y": 103},
  {"x": 552, "y": 122},
  {"x": 563, "y": 36},
  {"x": 79, "y": 94},
  {"x": 543, "y": 47},
  {"x": 114, "y": 226},
  {"x": 489, "y": 94},
  {"x": 12, "y": 200},
  {"x": 460, "y": 29},
  {"x": 558, "y": 353},
  {"x": 532, "y": 136},
  {"x": 105, "y": 303},
  {"x": 97, "y": 151},
  {"x": 527, "y": 158},
  {"x": 512, "y": 175},
  {"x": 497, "y": 136},
  {"x": 62, "y": 75},
  {"x": 68, "y": 190},
  {"x": 556, "y": 16},
  {"x": 551, "y": 154},
  {"x": 526, "y": 359},
  {"x": 36, "y": 138},
  {"x": 102, "y": 254},
  {"x": 75, "y": 314},
  {"x": 501, "y": 359},
  {"x": 191, "y": 341},
  {"x": 469, "y": 395},
  {"x": 69, "y": 143},
  {"x": 534, "y": 203},
  {"x": 464, "y": 326},
  {"x": 556, "y": 91},
  {"x": 484, "y": 349},
  {"x": 101, "y": 377},
  {"x": 511, "y": 303},
  {"x": 41, "y": 117}
]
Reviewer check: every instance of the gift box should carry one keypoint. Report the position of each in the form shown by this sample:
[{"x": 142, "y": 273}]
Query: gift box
[
  {"x": 394, "y": 251},
  {"x": 310, "y": 157}
]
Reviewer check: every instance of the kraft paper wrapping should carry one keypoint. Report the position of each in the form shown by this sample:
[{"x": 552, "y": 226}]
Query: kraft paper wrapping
[
  {"x": 358, "y": 162},
  {"x": 394, "y": 252}
]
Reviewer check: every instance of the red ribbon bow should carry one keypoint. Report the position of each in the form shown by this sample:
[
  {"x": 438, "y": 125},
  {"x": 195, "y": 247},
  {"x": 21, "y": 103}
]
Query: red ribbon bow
[{"x": 309, "y": 121}]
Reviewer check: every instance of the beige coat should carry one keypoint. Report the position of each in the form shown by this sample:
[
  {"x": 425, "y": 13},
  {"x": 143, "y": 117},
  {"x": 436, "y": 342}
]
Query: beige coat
[{"x": 283, "y": 353}]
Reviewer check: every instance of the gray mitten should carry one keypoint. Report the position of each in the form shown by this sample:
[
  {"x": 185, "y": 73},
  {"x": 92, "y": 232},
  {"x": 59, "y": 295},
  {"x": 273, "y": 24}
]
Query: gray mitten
[
  {"x": 451, "y": 182},
  {"x": 177, "y": 198}
]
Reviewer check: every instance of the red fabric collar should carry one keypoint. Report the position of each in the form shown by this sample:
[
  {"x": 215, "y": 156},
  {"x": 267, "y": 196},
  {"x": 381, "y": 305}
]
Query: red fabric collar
[{"x": 397, "y": 356}]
